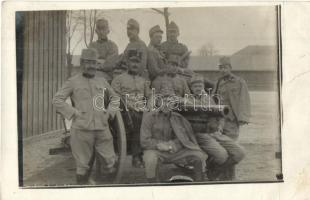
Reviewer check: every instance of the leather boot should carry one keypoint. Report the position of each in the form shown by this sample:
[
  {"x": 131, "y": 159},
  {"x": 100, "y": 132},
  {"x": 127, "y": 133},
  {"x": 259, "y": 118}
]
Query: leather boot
[
  {"x": 198, "y": 171},
  {"x": 82, "y": 179}
]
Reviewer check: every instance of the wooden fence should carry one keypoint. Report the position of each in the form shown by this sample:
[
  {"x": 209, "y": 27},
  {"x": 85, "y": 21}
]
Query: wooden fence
[{"x": 44, "y": 69}]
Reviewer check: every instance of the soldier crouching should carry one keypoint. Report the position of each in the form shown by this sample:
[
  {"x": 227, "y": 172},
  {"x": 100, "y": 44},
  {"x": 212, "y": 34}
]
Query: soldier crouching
[
  {"x": 167, "y": 136},
  {"x": 223, "y": 151},
  {"x": 90, "y": 127}
]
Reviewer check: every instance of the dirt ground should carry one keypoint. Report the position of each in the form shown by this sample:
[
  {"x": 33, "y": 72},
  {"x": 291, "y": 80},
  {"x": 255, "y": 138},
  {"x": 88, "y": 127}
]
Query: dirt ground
[{"x": 261, "y": 140}]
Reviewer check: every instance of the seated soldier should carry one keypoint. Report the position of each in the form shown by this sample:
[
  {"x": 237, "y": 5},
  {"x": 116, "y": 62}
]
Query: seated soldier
[
  {"x": 135, "y": 92},
  {"x": 168, "y": 137},
  {"x": 222, "y": 150},
  {"x": 90, "y": 128},
  {"x": 171, "y": 79}
]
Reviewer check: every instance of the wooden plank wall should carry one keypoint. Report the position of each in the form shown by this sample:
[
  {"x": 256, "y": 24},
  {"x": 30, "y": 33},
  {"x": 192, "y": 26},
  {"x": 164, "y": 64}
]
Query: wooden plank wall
[{"x": 44, "y": 70}]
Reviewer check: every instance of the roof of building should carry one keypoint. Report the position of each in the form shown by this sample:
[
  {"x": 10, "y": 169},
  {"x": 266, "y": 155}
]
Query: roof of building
[{"x": 250, "y": 58}]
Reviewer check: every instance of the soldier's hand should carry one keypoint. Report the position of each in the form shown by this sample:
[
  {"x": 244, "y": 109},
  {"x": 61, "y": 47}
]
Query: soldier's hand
[{"x": 77, "y": 114}]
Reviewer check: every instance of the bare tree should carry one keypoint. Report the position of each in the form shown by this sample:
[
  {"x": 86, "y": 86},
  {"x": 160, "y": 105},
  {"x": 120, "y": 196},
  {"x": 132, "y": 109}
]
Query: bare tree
[
  {"x": 166, "y": 15},
  {"x": 89, "y": 19},
  {"x": 72, "y": 25},
  {"x": 208, "y": 50}
]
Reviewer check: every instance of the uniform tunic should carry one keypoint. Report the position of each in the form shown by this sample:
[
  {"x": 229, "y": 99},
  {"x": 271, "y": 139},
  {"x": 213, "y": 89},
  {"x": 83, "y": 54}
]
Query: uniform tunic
[
  {"x": 233, "y": 92},
  {"x": 216, "y": 145},
  {"x": 176, "y": 83},
  {"x": 135, "y": 92},
  {"x": 158, "y": 127},
  {"x": 155, "y": 62},
  {"x": 108, "y": 51},
  {"x": 91, "y": 129},
  {"x": 175, "y": 48},
  {"x": 141, "y": 48}
]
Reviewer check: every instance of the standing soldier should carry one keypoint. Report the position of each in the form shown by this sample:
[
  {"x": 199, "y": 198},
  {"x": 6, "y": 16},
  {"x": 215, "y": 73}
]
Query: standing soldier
[
  {"x": 156, "y": 60},
  {"x": 135, "y": 91},
  {"x": 136, "y": 47},
  {"x": 232, "y": 90},
  {"x": 90, "y": 129},
  {"x": 173, "y": 47},
  {"x": 106, "y": 49}
]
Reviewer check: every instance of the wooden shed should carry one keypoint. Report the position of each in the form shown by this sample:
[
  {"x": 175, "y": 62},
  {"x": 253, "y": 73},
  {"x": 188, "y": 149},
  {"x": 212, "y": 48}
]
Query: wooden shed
[{"x": 41, "y": 69}]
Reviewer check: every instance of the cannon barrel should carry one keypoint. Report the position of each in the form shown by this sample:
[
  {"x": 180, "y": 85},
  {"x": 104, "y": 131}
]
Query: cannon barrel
[{"x": 212, "y": 110}]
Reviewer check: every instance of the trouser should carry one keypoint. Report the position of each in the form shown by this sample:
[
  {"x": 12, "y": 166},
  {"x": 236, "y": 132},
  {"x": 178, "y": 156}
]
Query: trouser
[
  {"x": 83, "y": 143},
  {"x": 152, "y": 157},
  {"x": 231, "y": 129},
  {"x": 220, "y": 147},
  {"x": 133, "y": 136}
]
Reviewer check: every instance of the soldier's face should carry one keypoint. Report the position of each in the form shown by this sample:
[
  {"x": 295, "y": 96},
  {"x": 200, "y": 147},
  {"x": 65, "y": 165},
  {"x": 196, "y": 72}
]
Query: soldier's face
[
  {"x": 197, "y": 88},
  {"x": 156, "y": 38},
  {"x": 225, "y": 70},
  {"x": 132, "y": 33},
  {"x": 102, "y": 32},
  {"x": 172, "y": 34},
  {"x": 134, "y": 66},
  {"x": 89, "y": 66}
]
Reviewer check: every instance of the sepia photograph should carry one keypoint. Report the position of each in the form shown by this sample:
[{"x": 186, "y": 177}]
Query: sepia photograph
[{"x": 149, "y": 96}]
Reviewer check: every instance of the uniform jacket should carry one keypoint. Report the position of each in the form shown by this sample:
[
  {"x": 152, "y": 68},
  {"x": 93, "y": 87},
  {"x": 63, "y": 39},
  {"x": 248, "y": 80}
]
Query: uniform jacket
[
  {"x": 177, "y": 83},
  {"x": 108, "y": 51},
  {"x": 139, "y": 46},
  {"x": 155, "y": 61},
  {"x": 132, "y": 89},
  {"x": 82, "y": 91},
  {"x": 233, "y": 91},
  {"x": 175, "y": 48},
  {"x": 156, "y": 127}
]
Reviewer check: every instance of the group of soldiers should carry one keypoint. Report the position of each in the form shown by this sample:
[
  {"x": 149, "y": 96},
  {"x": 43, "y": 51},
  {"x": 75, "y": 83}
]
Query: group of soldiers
[{"x": 154, "y": 136}]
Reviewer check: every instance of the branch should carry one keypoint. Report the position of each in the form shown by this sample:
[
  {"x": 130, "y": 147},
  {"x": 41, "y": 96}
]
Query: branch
[
  {"x": 158, "y": 11},
  {"x": 85, "y": 39}
]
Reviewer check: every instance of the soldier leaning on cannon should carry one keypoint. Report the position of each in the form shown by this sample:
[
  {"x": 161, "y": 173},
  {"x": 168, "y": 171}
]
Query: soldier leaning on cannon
[
  {"x": 136, "y": 46},
  {"x": 167, "y": 137},
  {"x": 223, "y": 151},
  {"x": 134, "y": 90},
  {"x": 232, "y": 90},
  {"x": 107, "y": 50},
  {"x": 90, "y": 127}
]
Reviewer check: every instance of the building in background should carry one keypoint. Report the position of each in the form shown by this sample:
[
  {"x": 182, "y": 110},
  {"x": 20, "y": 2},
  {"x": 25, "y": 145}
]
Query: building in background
[{"x": 258, "y": 65}]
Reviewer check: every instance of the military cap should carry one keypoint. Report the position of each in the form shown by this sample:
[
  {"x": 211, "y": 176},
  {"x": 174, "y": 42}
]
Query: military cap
[
  {"x": 224, "y": 60},
  {"x": 89, "y": 54},
  {"x": 155, "y": 29},
  {"x": 102, "y": 22},
  {"x": 197, "y": 79},
  {"x": 134, "y": 53},
  {"x": 173, "y": 26},
  {"x": 133, "y": 24}
]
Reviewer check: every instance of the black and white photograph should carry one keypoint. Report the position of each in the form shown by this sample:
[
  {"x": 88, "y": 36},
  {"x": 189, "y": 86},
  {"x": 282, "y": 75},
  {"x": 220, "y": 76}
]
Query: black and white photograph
[{"x": 149, "y": 96}]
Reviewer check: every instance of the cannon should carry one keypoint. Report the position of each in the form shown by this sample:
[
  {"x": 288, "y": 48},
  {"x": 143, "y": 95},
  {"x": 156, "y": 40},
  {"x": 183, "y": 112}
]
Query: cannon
[{"x": 194, "y": 114}]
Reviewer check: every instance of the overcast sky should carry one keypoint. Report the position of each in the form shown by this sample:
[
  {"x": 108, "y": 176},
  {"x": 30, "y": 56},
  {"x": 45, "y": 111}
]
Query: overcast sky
[{"x": 229, "y": 29}]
